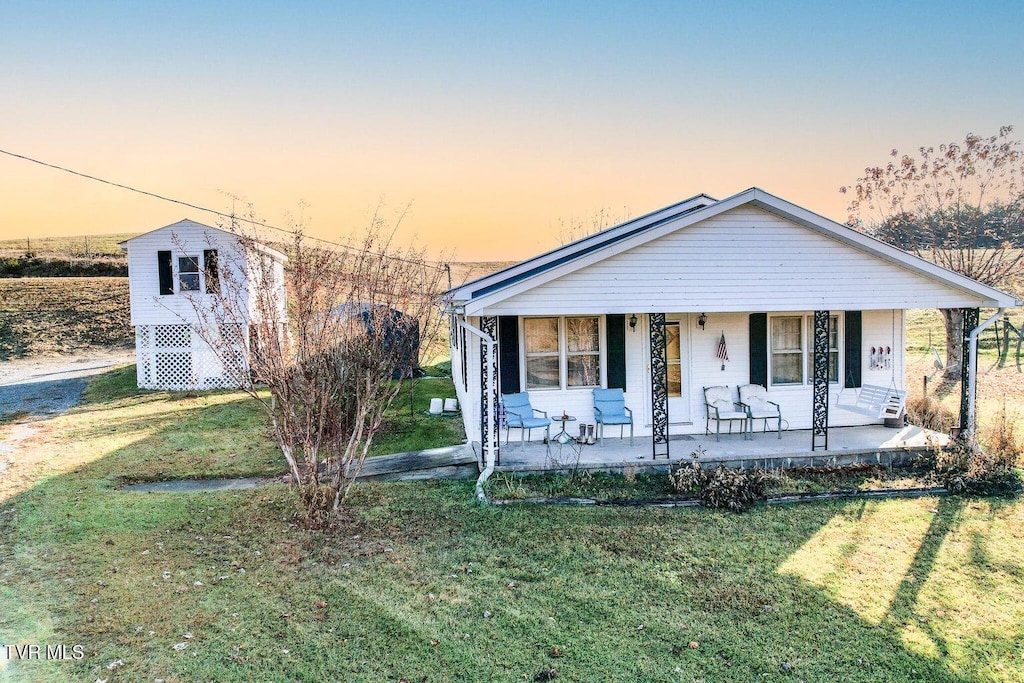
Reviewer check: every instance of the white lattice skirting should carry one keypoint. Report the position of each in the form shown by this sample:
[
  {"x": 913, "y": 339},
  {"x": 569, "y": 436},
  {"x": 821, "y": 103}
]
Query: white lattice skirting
[{"x": 175, "y": 358}]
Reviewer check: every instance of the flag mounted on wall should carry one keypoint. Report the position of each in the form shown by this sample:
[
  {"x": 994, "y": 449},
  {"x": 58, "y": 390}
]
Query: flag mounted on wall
[{"x": 722, "y": 353}]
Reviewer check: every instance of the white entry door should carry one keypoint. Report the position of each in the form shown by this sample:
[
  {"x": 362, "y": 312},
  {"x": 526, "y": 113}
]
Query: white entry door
[{"x": 677, "y": 338}]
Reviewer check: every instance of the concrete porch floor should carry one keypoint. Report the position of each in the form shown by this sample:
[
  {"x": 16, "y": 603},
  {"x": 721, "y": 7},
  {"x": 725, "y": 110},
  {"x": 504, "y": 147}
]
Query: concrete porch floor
[{"x": 846, "y": 445}]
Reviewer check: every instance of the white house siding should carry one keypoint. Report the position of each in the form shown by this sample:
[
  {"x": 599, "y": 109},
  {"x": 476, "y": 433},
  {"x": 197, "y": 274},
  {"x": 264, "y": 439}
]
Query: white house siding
[
  {"x": 148, "y": 307},
  {"x": 879, "y": 328},
  {"x": 742, "y": 260}
]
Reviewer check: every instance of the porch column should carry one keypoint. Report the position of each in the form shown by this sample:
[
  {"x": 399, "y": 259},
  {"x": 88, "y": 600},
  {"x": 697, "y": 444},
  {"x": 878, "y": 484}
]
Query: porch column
[
  {"x": 489, "y": 388},
  {"x": 819, "y": 411},
  {"x": 967, "y": 368},
  {"x": 659, "y": 387}
]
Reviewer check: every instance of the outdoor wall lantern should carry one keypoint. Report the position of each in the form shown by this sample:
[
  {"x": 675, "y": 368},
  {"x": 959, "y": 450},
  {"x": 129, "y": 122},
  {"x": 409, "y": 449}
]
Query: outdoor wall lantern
[
  {"x": 632, "y": 323},
  {"x": 702, "y": 320}
]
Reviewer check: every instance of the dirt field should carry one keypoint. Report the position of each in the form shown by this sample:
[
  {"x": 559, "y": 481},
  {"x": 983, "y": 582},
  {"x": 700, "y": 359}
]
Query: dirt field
[{"x": 65, "y": 315}]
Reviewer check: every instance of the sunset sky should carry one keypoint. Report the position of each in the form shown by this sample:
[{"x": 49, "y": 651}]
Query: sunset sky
[{"x": 495, "y": 120}]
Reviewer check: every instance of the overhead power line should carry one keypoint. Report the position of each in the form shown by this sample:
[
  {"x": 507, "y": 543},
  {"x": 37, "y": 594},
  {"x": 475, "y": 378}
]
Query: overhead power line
[{"x": 197, "y": 207}]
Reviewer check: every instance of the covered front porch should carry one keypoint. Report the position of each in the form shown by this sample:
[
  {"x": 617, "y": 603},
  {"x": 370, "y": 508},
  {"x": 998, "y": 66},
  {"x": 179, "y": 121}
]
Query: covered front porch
[{"x": 846, "y": 445}]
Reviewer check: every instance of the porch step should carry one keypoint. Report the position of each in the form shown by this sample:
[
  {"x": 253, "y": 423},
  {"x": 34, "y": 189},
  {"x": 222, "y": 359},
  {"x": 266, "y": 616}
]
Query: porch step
[{"x": 448, "y": 462}]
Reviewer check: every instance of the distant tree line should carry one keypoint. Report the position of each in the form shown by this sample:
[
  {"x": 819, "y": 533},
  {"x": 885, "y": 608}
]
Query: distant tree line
[
  {"x": 22, "y": 266},
  {"x": 991, "y": 228}
]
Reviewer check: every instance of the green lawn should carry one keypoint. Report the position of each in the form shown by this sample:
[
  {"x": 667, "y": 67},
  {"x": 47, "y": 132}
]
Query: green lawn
[{"x": 419, "y": 583}]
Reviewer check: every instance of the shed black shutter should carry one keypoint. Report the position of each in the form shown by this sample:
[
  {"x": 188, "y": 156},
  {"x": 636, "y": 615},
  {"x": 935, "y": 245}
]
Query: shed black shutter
[
  {"x": 508, "y": 353},
  {"x": 759, "y": 349},
  {"x": 210, "y": 268},
  {"x": 852, "y": 349},
  {"x": 163, "y": 267},
  {"x": 615, "y": 343}
]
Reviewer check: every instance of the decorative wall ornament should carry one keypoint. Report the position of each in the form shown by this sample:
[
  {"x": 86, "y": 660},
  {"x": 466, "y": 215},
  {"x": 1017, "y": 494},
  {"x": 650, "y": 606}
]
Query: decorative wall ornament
[{"x": 722, "y": 353}]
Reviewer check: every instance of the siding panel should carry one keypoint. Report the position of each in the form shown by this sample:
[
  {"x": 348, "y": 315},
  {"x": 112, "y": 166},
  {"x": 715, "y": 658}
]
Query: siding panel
[{"x": 742, "y": 260}]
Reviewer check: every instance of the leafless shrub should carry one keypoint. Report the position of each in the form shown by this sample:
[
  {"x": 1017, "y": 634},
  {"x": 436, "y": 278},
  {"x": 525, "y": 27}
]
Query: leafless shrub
[
  {"x": 325, "y": 359},
  {"x": 929, "y": 413}
]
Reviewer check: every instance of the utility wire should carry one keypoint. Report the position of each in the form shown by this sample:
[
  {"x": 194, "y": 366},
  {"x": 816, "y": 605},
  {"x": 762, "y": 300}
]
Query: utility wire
[{"x": 229, "y": 216}]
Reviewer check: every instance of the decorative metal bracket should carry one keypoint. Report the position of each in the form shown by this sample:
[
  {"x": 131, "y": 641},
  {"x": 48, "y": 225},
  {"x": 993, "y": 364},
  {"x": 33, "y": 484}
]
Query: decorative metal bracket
[
  {"x": 819, "y": 411},
  {"x": 659, "y": 387}
]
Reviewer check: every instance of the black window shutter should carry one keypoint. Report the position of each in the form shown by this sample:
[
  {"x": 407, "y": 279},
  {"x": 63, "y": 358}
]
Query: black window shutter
[
  {"x": 163, "y": 266},
  {"x": 210, "y": 268},
  {"x": 508, "y": 353},
  {"x": 852, "y": 349},
  {"x": 615, "y": 344},
  {"x": 759, "y": 349}
]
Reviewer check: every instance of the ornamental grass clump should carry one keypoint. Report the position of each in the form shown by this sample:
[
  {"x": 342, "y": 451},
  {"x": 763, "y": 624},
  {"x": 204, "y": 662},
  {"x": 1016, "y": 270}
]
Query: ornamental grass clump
[{"x": 966, "y": 468}]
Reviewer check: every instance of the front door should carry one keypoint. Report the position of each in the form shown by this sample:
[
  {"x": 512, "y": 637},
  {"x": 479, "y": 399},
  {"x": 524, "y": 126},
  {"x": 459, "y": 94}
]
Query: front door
[{"x": 677, "y": 351}]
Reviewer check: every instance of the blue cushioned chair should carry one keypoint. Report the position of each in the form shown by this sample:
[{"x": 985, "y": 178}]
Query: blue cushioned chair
[
  {"x": 610, "y": 409},
  {"x": 519, "y": 414}
]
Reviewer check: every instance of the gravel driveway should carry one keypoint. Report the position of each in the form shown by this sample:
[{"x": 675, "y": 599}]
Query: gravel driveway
[{"x": 50, "y": 386}]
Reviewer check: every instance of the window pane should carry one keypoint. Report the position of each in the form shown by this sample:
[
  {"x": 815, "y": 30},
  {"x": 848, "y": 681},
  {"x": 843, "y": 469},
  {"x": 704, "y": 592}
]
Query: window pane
[
  {"x": 584, "y": 371},
  {"x": 833, "y": 333},
  {"x": 188, "y": 264},
  {"x": 672, "y": 342},
  {"x": 582, "y": 334},
  {"x": 786, "y": 334},
  {"x": 541, "y": 335},
  {"x": 542, "y": 373},
  {"x": 787, "y": 368},
  {"x": 675, "y": 380},
  {"x": 188, "y": 282}
]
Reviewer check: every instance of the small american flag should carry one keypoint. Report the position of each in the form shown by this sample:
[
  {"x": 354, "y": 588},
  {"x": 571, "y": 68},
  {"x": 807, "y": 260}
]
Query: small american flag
[{"x": 722, "y": 353}]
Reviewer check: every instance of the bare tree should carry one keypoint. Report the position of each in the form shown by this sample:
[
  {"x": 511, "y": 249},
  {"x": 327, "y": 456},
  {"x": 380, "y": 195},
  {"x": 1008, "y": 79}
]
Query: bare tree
[
  {"x": 576, "y": 228},
  {"x": 960, "y": 205},
  {"x": 323, "y": 344}
]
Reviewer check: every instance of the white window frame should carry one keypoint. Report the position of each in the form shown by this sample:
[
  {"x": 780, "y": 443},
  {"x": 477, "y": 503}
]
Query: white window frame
[
  {"x": 178, "y": 273},
  {"x": 563, "y": 354},
  {"x": 807, "y": 349}
]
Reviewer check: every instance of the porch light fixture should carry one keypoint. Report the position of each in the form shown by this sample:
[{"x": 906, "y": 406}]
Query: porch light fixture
[
  {"x": 632, "y": 323},
  {"x": 702, "y": 320}
]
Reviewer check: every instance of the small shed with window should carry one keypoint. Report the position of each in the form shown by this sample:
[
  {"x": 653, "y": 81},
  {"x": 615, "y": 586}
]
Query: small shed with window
[{"x": 175, "y": 276}]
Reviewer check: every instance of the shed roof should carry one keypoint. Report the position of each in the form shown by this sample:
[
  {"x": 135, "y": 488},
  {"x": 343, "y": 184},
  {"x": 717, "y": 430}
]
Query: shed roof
[{"x": 188, "y": 224}]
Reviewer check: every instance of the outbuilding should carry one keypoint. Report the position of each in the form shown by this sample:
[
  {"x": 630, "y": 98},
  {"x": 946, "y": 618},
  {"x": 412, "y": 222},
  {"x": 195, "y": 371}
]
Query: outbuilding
[{"x": 180, "y": 276}]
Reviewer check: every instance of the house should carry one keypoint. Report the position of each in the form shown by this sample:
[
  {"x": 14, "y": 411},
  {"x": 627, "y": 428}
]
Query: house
[
  {"x": 747, "y": 289},
  {"x": 189, "y": 285}
]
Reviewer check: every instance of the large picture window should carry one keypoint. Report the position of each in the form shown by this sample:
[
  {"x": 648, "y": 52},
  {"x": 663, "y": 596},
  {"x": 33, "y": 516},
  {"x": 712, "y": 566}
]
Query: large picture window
[
  {"x": 792, "y": 350},
  {"x": 562, "y": 352}
]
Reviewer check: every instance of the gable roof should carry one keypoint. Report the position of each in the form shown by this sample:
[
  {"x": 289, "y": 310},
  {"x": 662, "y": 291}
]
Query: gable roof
[
  {"x": 188, "y": 224},
  {"x": 618, "y": 239}
]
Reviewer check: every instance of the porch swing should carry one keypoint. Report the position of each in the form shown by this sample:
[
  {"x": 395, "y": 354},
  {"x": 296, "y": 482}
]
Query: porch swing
[{"x": 882, "y": 403}]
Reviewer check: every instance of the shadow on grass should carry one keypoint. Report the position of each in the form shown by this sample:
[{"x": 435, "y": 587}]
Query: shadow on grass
[{"x": 417, "y": 581}]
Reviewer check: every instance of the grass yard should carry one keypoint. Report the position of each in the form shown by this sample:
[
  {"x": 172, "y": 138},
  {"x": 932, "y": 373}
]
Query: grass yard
[
  {"x": 418, "y": 583},
  {"x": 61, "y": 315}
]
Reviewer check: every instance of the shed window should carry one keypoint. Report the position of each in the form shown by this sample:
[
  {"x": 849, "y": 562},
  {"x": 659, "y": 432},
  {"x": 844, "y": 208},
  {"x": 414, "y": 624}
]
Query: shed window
[
  {"x": 188, "y": 273},
  {"x": 562, "y": 352}
]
